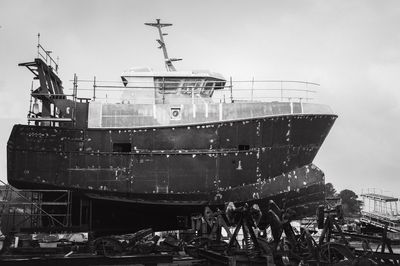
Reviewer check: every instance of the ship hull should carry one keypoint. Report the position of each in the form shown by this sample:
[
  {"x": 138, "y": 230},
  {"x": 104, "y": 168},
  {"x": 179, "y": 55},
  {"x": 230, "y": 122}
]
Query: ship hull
[{"x": 173, "y": 171}]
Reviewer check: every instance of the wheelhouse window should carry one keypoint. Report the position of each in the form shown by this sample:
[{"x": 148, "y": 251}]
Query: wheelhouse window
[
  {"x": 219, "y": 85},
  {"x": 207, "y": 90},
  {"x": 188, "y": 86},
  {"x": 167, "y": 86},
  {"x": 191, "y": 86}
]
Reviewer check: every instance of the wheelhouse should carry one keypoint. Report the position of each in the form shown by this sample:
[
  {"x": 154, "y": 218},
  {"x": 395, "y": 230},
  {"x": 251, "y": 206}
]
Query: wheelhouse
[{"x": 170, "y": 87}]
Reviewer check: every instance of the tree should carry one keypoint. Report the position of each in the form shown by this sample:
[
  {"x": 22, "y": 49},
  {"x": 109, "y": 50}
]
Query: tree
[
  {"x": 351, "y": 206},
  {"x": 330, "y": 191}
]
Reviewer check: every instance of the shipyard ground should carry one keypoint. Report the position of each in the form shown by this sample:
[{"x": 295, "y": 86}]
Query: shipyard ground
[
  {"x": 204, "y": 244},
  {"x": 238, "y": 235}
]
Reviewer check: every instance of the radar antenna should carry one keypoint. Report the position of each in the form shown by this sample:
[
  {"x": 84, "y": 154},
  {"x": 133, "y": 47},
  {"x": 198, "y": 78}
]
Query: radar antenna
[{"x": 168, "y": 61}]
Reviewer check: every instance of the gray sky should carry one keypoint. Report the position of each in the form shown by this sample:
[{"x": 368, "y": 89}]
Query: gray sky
[{"x": 351, "y": 47}]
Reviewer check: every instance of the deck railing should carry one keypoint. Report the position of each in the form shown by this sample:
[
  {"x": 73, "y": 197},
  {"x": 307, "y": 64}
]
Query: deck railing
[
  {"x": 232, "y": 91},
  {"x": 269, "y": 90},
  {"x": 45, "y": 55}
]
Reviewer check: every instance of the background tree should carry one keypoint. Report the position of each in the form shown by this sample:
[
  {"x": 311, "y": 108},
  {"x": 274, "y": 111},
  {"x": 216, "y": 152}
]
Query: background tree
[
  {"x": 351, "y": 205},
  {"x": 330, "y": 191}
]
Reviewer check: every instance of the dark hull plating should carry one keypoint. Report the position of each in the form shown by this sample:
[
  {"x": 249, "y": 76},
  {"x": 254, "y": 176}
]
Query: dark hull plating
[{"x": 172, "y": 172}]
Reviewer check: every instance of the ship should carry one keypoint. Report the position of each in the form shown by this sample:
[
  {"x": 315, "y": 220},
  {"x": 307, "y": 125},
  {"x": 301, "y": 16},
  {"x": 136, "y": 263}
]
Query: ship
[{"x": 167, "y": 149}]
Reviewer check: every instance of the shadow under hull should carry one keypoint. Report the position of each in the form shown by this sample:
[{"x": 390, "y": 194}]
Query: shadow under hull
[{"x": 105, "y": 212}]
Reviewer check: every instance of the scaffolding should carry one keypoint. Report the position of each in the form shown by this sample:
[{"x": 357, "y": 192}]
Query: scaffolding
[{"x": 33, "y": 210}]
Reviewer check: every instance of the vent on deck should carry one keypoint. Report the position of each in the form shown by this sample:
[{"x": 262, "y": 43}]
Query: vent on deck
[{"x": 242, "y": 147}]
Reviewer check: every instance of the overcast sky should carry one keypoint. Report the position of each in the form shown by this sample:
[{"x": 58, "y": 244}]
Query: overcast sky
[{"x": 352, "y": 48}]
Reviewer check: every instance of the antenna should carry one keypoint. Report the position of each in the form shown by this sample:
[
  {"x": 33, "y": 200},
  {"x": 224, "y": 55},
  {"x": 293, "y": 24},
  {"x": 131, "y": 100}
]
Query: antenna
[{"x": 168, "y": 61}]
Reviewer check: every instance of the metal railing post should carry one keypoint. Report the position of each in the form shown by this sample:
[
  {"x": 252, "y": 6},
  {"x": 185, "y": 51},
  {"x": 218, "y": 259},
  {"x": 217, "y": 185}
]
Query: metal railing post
[
  {"x": 75, "y": 97},
  {"x": 231, "y": 86},
  {"x": 94, "y": 88},
  {"x": 38, "y": 45},
  {"x": 307, "y": 91},
  {"x": 75, "y": 90},
  {"x": 30, "y": 104},
  {"x": 252, "y": 88}
]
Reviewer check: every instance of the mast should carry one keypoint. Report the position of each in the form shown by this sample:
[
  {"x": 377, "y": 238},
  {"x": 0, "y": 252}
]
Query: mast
[{"x": 168, "y": 61}]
